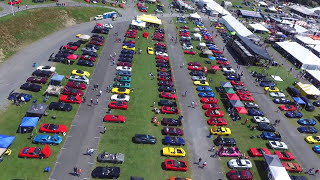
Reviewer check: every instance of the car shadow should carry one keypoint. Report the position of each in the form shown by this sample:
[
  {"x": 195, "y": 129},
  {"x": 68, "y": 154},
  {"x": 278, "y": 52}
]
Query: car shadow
[{"x": 163, "y": 166}]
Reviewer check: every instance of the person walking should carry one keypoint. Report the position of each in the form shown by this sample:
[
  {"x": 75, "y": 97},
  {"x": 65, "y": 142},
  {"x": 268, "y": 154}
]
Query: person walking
[
  {"x": 91, "y": 101},
  {"x": 195, "y": 105},
  {"x": 185, "y": 93},
  {"x": 278, "y": 121},
  {"x": 79, "y": 172},
  {"x": 246, "y": 121},
  {"x": 310, "y": 171},
  {"x": 84, "y": 99},
  {"x": 154, "y": 104},
  {"x": 204, "y": 164},
  {"x": 100, "y": 93},
  {"x": 192, "y": 104},
  {"x": 215, "y": 154},
  {"x": 199, "y": 160},
  {"x": 316, "y": 172},
  {"x": 97, "y": 101},
  {"x": 75, "y": 171},
  {"x": 213, "y": 148},
  {"x": 113, "y": 62},
  {"x": 104, "y": 130}
]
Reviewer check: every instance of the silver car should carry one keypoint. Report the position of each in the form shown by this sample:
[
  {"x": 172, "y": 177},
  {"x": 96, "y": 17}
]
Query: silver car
[
  {"x": 89, "y": 49},
  {"x": 198, "y": 78},
  {"x": 111, "y": 157},
  {"x": 82, "y": 79}
]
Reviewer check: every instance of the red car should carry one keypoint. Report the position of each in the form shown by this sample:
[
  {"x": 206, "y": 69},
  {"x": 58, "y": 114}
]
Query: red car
[
  {"x": 163, "y": 69},
  {"x": 169, "y": 110},
  {"x": 165, "y": 78},
  {"x": 72, "y": 91},
  {"x": 210, "y": 106},
  {"x": 76, "y": 85},
  {"x": 223, "y": 62},
  {"x": 175, "y": 165},
  {"x": 118, "y": 105},
  {"x": 72, "y": 56},
  {"x": 243, "y": 92},
  {"x": 35, "y": 152},
  {"x": 87, "y": 57},
  {"x": 168, "y": 95},
  {"x": 194, "y": 64},
  {"x": 162, "y": 61},
  {"x": 97, "y": 43},
  {"x": 13, "y": 2},
  {"x": 172, "y": 131},
  {"x": 190, "y": 52},
  {"x": 210, "y": 100},
  {"x": 53, "y": 128},
  {"x": 238, "y": 83},
  {"x": 70, "y": 47},
  {"x": 163, "y": 57},
  {"x": 217, "y": 121},
  {"x": 97, "y": 39},
  {"x": 239, "y": 175},
  {"x": 124, "y": 64},
  {"x": 287, "y": 156},
  {"x": 195, "y": 68},
  {"x": 246, "y": 98},
  {"x": 287, "y": 107},
  {"x": 184, "y": 27},
  {"x": 214, "y": 113},
  {"x": 292, "y": 167},
  {"x": 258, "y": 152},
  {"x": 38, "y": 80},
  {"x": 131, "y": 36},
  {"x": 70, "y": 99},
  {"x": 159, "y": 44},
  {"x": 217, "y": 51},
  {"x": 114, "y": 118}
]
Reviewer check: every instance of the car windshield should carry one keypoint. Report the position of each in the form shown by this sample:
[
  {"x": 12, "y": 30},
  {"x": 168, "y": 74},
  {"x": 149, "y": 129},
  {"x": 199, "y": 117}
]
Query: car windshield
[
  {"x": 53, "y": 127},
  {"x": 80, "y": 71},
  {"x": 36, "y": 151},
  {"x": 46, "y": 67},
  {"x": 71, "y": 98}
]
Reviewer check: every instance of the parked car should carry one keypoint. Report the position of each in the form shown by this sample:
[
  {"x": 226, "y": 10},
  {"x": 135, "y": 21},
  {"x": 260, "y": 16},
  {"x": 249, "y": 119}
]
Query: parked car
[
  {"x": 259, "y": 152},
  {"x": 31, "y": 87},
  {"x": 255, "y": 112},
  {"x": 118, "y": 105},
  {"x": 172, "y": 131},
  {"x": 307, "y": 122},
  {"x": 224, "y": 141},
  {"x": 106, "y": 157},
  {"x": 260, "y": 119},
  {"x": 80, "y": 79},
  {"x": 174, "y": 152},
  {"x": 286, "y": 156},
  {"x": 114, "y": 118},
  {"x": 70, "y": 99},
  {"x": 271, "y": 136},
  {"x": 277, "y": 95},
  {"x": 120, "y": 97},
  {"x": 171, "y": 122},
  {"x": 229, "y": 151},
  {"x": 239, "y": 175},
  {"x": 35, "y": 152},
  {"x": 60, "y": 106},
  {"x": 277, "y": 145},
  {"x": 293, "y": 114},
  {"x": 175, "y": 165},
  {"x": 309, "y": 106},
  {"x": 281, "y": 101},
  {"x": 42, "y": 73},
  {"x": 38, "y": 80},
  {"x": 294, "y": 92},
  {"x": 307, "y": 129},
  {"x": 292, "y": 167},
  {"x": 15, "y": 96},
  {"x": 106, "y": 172},
  {"x": 47, "y": 139},
  {"x": 177, "y": 141},
  {"x": 287, "y": 107},
  {"x": 266, "y": 127},
  {"x": 144, "y": 139},
  {"x": 85, "y": 63},
  {"x": 76, "y": 85},
  {"x": 239, "y": 164}
]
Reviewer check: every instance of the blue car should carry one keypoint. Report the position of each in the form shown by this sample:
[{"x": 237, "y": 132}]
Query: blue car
[
  {"x": 271, "y": 136},
  {"x": 316, "y": 149},
  {"x": 307, "y": 122},
  {"x": 221, "y": 58},
  {"x": 281, "y": 101},
  {"x": 267, "y": 84},
  {"x": 204, "y": 88},
  {"x": 206, "y": 94},
  {"x": 255, "y": 112},
  {"x": 232, "y": 78},
  {"x": 177, "y": 141},
  {"x": 47, "y": 139},
  {"x": 17, "y": 96},
  {"x": 293, "y": 114},
  {"x": 307, "y": 129},
  {"x": 127, "y": 51}
]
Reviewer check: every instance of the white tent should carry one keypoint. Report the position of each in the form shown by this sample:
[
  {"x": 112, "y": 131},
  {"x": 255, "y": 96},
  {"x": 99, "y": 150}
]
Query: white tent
[
  {"x": 276, "y": 169},
  {"x": 195, "y": 16},
  {"x": 307, "y": 89},
  {"x": 285, "y": 22},
  {"x": 263, "y": 4},
  {"x": 308, "y": 60},
  {"x": 315, "y": 48},
  {"x": 197, "y": 36},
  {"x": 298, "y": 28},
  {"x": 307, "y": 40},
  {"x": 213, "y": 6},
  {"x": 315, "y": 74},
  {"x": 272, "y": 9},
  {"x": 138, "y": 23},
  {"x": 233, "y": 24},
  {"x": 258, "y": 27}
]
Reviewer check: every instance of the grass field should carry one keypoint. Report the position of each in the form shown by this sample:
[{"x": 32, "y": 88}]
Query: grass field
[
  {"x": 140, "y": 160},
  {"x": 27, "y": 27}
]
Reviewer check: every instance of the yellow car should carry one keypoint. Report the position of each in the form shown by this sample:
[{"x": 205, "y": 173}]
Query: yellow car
[
  {"x": 313, "y": 139},
  {"x": 215, "y": 130},
  {"x": 198, "y": 26},
  {"x": 201, "y": 83},
  {"x": 121, "y": 91},
  {"x": 272, "y": 89},
  {"x": 80, "y": 73},
  {"x": 78, "y": 35},
  {"x": 8, "y": 152},
  {"x": 219, "y": 27},
  {"x": 175, "y": 152},
  {"x": 129, "y": 48},
  {"x": 150, "y": 50}
]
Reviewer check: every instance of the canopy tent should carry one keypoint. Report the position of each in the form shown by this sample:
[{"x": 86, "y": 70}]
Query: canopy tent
[
  {"x": 307, "y": 89},
  {"x": 215, "y": 7},
  {"x": 226, "y": 85},
  {"x": 298, "y": 100},
  {"x": 272, "y": 9},
  {"x": 253, "y": 48},
  {"x": 195, "y": 16},
  {"x": 306, "y": 58},
  {"x": 138, "y": 23},
  {"x": 6, "y": 141},
  {"x": 236, "y": 103},
  {"x": 149, "y": 19},
  {"x": 206, "y": 52},
  {"x": 251, "y": 14},
  {"x": 299, "y": 29},
  {"x": 232, "y": 96},
  {"x": 84, "y": 37},
  {"x": 276, "y": 169},
  {"x": 57, "y": 77},
  {"x": 36, "y": 110},
  {"x": 27, "y": 124},
  {"x": 261, "y": 3},
  {"x": 306, "y": 40},
  {"x": 258, "y": 27},
  {"x": 197, "y": 36},
  {"x": 229, "y": 90},
  {"x": 241, "y": 110}
]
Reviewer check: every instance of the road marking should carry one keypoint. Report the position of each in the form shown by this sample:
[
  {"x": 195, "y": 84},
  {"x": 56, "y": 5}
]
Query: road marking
[
  {"x": 63, "y": 148},
  {"x": 69, "y": 136},
  {"x": 90, "y": 163},
  {"x": 96, "y": 137},
  {"x": 58, "y": 162},
  {"x": 73, "y": 125},
  {"x": 100, "y": 126},
  {"x": 85, "y": 178}
]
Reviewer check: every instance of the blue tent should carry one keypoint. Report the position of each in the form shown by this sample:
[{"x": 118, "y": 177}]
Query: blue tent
[
  {"x": 211, "y": 58},
  {"x": 298, "y": 100},
  {"x": 6, "y": 141},
  {"x": 27, "y": 124},
  {"x": 57, "y": 77}
]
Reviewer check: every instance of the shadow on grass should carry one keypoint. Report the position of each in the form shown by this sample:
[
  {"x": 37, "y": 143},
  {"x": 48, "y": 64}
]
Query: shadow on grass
[{"x": 261, "y": 165}]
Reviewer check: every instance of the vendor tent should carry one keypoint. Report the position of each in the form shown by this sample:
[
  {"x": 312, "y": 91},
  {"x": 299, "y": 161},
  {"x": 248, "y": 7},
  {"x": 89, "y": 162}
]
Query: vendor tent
[
  {"x": 195, "y": 16},
  {"x": 276, "y": 169},
  {"x": 263, "y": 4},
  {"x": 241, "y": 110},
  {"x": 250, "y": 14},
  {"x": 197, "y": 36},
  {"x": 306, "y": 40},
  {"x": 138, "y": 23},
  {"x": 84, "y": 37},
  {"x": 299, "y": 29},
  {"x": 232, "y": 96},
  {"x": 233, "y": 24},
  {"x": 36, "y": 110},
  {"x": 236, "y": 103},
  {"x": 307, "y": 89},
  {"x": 314, "y": 76},
  {"x": 229, "y": 90},
  {"x": 149, "y": 19},
  {"x": 298, "y": 100},
  {"x": 56, "y": 79},
  {"x": 206, "y": 52},
  {"x": 5, "y": 142},
  {"x": 258, "y": 27},
  {"x": 27, "y": 124},
  {"x": 226, "y": 84},
  {"x": 255, "y": 49}
]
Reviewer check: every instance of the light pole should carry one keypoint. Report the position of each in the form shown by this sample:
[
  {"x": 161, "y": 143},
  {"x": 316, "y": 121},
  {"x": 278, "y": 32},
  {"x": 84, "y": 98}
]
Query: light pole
[{"x": 12, "y": 8}]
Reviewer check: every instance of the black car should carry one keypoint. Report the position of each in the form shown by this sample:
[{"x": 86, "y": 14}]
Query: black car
[
  {"x": 42, "y": 73},
  {"x": 66, "y": 51},
  {"x": 236, "y": 87},
  {"x": 316, "y": 103},
  {"x": 144, "y": 139},
  {"x": 225, "y": 141},
  {"x": 59, "y": 59},
  {"x": 171, "y": 122},
  {"x": 97, "y": 36},
  {"x": 62, "y": 55},
  {"x": 121, "y": 59},
  {"x": 309, "y": 106},
  {"x": 163, "y": 65},
  {"x": 258, "y": 75},
  {"x": 165, "y": 83},
  {"x": 94, "y": 54},
  {"x": 166, "y": 89},
  {"x": 197, "y": 73},
  {"x": 293, "y": 92},
  {"x": 298, "y": 178},
  {"x": 60, "y": 106},
  {"x": 93, "y": 46},
  {"x": 106, "y": 172},
  {"x": 266, "y": 127},
  {"x": 78, "y": 44},
  {"x": 124, "y": 51},
  {"x": 229, "y": 73},
  {"x": 167, "y": 103},
  {"x": 85, "y": 63},
  {"x": 126, "y": 55},
  {"x": 31, "y": 87}
]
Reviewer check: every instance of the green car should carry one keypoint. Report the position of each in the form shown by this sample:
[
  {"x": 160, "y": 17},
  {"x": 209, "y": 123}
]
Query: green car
[
  {"x": 123, "y": 78},
  {"x": 122, "y": 84}
]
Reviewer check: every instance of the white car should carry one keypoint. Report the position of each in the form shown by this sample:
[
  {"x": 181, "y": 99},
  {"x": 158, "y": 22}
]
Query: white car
[
  {"x": 278, "y": 145},
  {"x": 277, "y": 95},
  {"x": 98, "y": 17},
  {"x": 260, "y": 119},
  {"x": 82, "y": 79},
  {"x": 46, "y": 68},
  {"x": 239, "y": 164},
  {"x": 198, "y": 78},
  {"x": 120, "y": 97},
  {"x": 109, "y": 26},
  {"x": 159, "y": 53},
  {"x": 89, "y": 49},
  {"x": 228, "y": 70},
  {"x": 187, "y": 46},
  {"x": 251, "y": 105},
  {"x": 123, "y": 68}
]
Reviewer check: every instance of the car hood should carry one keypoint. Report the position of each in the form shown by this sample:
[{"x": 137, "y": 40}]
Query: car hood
[{"x": 46, "y": 150}]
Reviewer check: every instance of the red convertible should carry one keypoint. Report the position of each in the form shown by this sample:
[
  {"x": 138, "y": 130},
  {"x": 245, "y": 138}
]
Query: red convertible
[
  {"x": 246, "y": 98},
  {"x": 175, "y": 165},
  {"x": 287, "y": 108},
  {"x": 165, "y": 78},
  {"x": 168, "y": 95},
  {"x": 53, "y": 128},
  {"x": 70, "y": 47},
  {"x": 169, "y": 110},
  {"x": 124, "y": 64},
  {"x": 114, "y": 118},
  {"x": 70, "y": 99},
  {"x": 258, "y": 152},
  {"x": 38, "y": 80},
  {"x": 214, "y": 113},
  {"x": 35, "y": 152},
  {"x": 71, "y": 91},
  {"x": 243, "y": 92},
  {"x": 287, "y": 156},
  {"x": 194, "y": 64},
  {"x": 76, "y": 85},
  {"x": 190, "y": 52},
  {"x": 211, "y": 106},
  {"x": 292, "y": 167},
  {"x": 195, "y": 68},
  {"x": 88, "y": 58},
  {"x": 237, "y": 83},
  {"x": 210, "y": 100},
  {"x": 72, "y": 56},
  {"x": 217, "y": 121},
  {"x": 118, "y": 105}
]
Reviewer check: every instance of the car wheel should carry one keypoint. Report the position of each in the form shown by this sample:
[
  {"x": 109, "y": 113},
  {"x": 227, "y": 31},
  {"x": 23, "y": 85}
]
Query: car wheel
[
  {"x": 41, "y": 157},
  {"x": 25, "y": 157}
]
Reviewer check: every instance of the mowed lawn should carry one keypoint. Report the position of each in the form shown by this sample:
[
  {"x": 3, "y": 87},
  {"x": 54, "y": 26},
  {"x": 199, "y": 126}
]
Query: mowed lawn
[
  {"x": 11, "y": 119},
  {"x": 240, "y": 131},
  {"x": 140, "y": 160}
]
